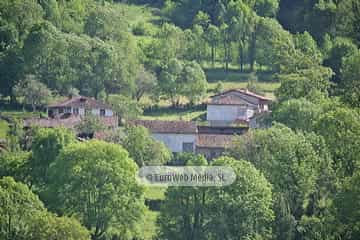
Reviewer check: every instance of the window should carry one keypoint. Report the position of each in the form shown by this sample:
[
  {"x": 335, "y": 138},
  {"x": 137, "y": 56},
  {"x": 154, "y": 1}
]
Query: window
[
  {"x": 61, "y": 110},
  {"x": 102, "y": 112},
  {"x": 76, "y": 111},
  {"x": 188, "y": 147}
]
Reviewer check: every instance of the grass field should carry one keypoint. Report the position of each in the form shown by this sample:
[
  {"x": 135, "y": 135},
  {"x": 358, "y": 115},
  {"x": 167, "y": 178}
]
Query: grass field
[
  {"x": 149, "y": 227},
  {"x": 155, "y": 193},
  {"x": 4, "y": 127}
]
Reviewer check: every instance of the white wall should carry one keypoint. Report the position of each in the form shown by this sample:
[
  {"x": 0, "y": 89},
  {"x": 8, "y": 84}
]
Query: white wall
[
  {"x": 228, "y": 113},
  {"x": 95, "y": 111},
  {"x": 109, "y": 113},
  {"x": 175, "y": 141},
  {"x": 81, "y": 111},
  {"x": 221, "y": 112}
]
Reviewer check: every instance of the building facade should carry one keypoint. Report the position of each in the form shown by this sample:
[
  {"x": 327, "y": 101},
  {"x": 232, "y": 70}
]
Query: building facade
[{"x": 237, "y": 105}]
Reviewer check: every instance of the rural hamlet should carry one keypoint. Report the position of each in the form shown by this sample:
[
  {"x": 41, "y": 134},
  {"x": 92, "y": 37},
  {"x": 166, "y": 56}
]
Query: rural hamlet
[
  {"x": 229, "y": 114},
  {"x": 179, "y": 119}
]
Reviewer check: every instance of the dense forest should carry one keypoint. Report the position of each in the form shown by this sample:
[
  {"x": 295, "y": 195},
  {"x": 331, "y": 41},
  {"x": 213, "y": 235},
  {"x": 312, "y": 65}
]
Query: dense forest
[{"x": 296, "y": 180}]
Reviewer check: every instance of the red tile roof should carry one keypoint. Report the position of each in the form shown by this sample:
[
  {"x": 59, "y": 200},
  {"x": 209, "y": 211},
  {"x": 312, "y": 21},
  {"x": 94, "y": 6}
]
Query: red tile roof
[
  {"x": 214, "y": 140},
  {"x": 158, "y": 126},
  {"x": 227, "y": 99},
  {"x": 69, "y": 122},
  {"x": 81, "y": 101}
]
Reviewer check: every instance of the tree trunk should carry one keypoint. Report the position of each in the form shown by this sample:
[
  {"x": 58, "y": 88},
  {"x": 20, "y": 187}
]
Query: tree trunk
[
  {"x": 252, "y": 51},
  {"x": 213, "y": 56},
  {"x": 241, "y": 51}
]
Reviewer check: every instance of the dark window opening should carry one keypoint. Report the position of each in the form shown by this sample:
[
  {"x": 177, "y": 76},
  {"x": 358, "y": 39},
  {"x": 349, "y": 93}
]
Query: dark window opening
[{"x": 188, "y": 147}]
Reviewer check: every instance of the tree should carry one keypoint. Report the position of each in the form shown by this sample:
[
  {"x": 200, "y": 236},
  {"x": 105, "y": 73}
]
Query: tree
[
  {"x": 89, "y": 125},
  {"x": 212, "y": 36},
  {"x": 145, "y": 81},
  {"x": 341, "y": 48},
  {"x": 347, "y": 204},
  {"x": 91, "y": 180},
  {"x": 194, "y": 82},
  {"x": 23, "y": 216},
  {"x": 48, "y": 226},
  {"x": 348, "y": 19},
  {"x": 241, "y": 210},
  {"x": 250, "y": 215},
  {"x": 11, "y": 71},
  {"x": 105, "y": 22},
  {"x": 15, "y": 164},
  {"x": 298, "y": 114},
  {"x": 340, "y": 128},
  {"x": 307, "y": 45},
  {"x": 46, "y": 146},
  {"x": 143, "y": 148},
  {"x": 17, "y": 208},
  {"x": 182, "y": 79},
  {"x": 350, "y": 84},
  {"x": 307, "y": 83},
  {"x": 125, "y": 107},
  {"x": 294, "y": 164},
  {"x": 170, "y": 80},
  {"x": 33, "y": 92},
  {"x": 21, "y": 14}
]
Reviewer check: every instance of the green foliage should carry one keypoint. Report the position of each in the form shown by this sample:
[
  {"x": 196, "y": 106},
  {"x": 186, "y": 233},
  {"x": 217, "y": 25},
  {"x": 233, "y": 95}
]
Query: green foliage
[
  {"x": 144, "y": 149},
  {"x": 17, "y": 208},
  {"x": 347, "y": 204},
  {"x": 182, "y": 79},
  {"x": 309, "y": 83},
  {"x": 298, "y": 114},
  {"x": 92, "y": 179},
  {"x": 14, "y": 164},
  {"x": 350, "y": 84},
  {"x": 125, "y": 107},
  {"x": 105, "y": 22},
  {"x": 23, "y": 216},
  {"x": 47, "y": 226},
  {"x": 89, "y": 125},
  {"x": 211, "y": 213},
  {"x": 340, "y": 128},
  {"x": 293, "y": 163},
  {"x": 46, "y": 146},
  {"x": 32, "y": 92},
  {"x": 341, "y": 48},
  {"x": 145, "y": 81}
]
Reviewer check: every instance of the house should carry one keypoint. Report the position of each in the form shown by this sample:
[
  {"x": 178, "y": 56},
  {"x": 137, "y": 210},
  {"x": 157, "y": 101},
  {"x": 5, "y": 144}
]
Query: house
[
  {"x": 178, "y": 136},
  {"x": 236, "y": 106},
  {"x": 80, "y": 105},
  {"x": 185, "y": 136},
  {"x": 71, "y": 112}
]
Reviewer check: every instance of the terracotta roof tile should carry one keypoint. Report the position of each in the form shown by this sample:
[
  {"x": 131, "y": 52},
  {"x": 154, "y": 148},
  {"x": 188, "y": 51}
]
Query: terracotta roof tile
[
  {"x": 244, "y": 92},
  {"x": 214, "y": 140},
  {"x": 158, "y": 126},
  {"x": 69, "y": 122},
  {"x": 80, "y": 101}
]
